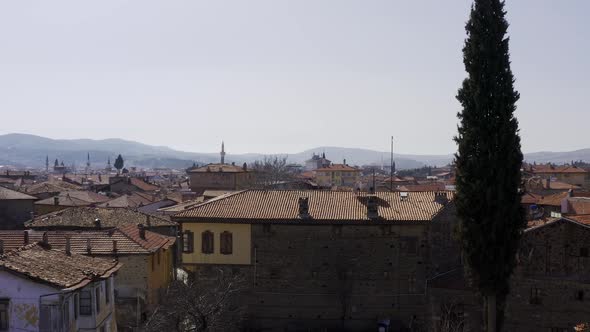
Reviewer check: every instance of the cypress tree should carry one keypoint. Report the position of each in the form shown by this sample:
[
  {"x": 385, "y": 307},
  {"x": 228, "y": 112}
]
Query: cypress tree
[
  {"x": 119, "y": 163},
  {"x": 489, "y": 159}
]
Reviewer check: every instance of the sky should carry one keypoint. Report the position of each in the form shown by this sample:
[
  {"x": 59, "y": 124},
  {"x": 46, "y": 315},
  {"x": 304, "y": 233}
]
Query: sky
[{"x": 281, "y": 76}]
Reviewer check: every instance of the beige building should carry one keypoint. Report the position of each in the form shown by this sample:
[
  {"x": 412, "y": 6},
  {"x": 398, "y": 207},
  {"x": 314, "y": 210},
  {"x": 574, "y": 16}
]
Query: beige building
[
  {"x": 340, "y": 175},
  {"x": 566, "y": 173}
]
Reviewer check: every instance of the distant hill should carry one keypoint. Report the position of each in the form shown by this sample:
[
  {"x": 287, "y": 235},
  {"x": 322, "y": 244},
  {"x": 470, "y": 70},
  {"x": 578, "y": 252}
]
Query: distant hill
[{"x": 30, "y": 150}]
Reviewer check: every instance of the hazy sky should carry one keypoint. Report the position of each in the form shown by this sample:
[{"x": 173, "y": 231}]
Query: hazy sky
[{"x": 280, "y": 76}]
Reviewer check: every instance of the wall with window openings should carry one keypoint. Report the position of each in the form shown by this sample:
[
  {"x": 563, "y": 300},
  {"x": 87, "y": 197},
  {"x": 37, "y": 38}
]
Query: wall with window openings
[{"x": 216, "y": 243}]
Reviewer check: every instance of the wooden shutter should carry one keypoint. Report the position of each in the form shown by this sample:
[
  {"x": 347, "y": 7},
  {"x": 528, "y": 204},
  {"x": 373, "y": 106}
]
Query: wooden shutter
[
  {"x": 226, "y": 243},
  {"x": 207, "y": 245}
]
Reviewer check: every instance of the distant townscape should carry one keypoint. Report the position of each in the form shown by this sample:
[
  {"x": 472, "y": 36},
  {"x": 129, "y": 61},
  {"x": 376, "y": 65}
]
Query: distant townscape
[{"x": 322, "y": 243}]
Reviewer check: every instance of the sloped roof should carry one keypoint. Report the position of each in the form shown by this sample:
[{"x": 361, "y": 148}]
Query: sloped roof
[
  {"x": 50, "y": 187},
  {"x": 338, "y": 167},
  {"x": 56, "y": 268},
  {"x": 558, "y": 169},
  {"x": 283, "y": 205},
  {"x": 223, "y": 168},
  {"x": 9, "y": 194},
  {"x": 75, "y": 198},
  {"x": 101, "y": 241},
  {"x": 85, "y": 217},
  {"x": 133, "y": 200}
]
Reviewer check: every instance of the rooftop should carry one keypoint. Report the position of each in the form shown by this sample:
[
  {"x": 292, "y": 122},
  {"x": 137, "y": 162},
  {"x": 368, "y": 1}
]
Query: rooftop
[
  {"x": 101, "y": 242},
  {"x": 9, "y": 194},
  {"x": 50, "y": 187},
  {"x": 283, "y": 206},
  {"x": 133, "y": 200},
  {"x": 557, "y": 169},
  {"x": 222, "y": 168},
  {"x": 74, "y": 198},
  {"x": 338, "y": 167},
  {"x": 55, "y": 267},
  {"x": 85, "y": 217}
]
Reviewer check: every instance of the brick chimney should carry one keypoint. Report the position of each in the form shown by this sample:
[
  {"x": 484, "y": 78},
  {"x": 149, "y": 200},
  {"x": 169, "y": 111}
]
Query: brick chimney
[
  {"x": 372, "y": 207},
  {"x": 548, "y": 183},
  {"x": 97, "y": 223},
  {"x": 56, "y": 200},
  {"x": 68, "y": 246},
  {"x": 26, "y": 237},
  {"x": 141, "y": 231},
  {"x": 115, "y": 246},
  {"x": 304, "y": 207},
  {"x": 1, "y": 247},
  {"x": 441, "y": 198},
  {"x": 88, "y": 247},
  {"x": 45, "y": 239}
]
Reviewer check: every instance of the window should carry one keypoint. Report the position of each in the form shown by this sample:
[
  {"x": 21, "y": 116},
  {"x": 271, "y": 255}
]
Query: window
[
  {"x": 97, "y": 298},
  {"x": 76, "y": 305},
  {"x": 4, "y": 314},
  {"x": 226, "y": 243},
  {"x": 207, "y": 245},
  {"x": 107, "y": 290},
  {"x": 188, "y": 242},
  {"x": 66, "y": 312},
  {"x": 412, "y": 283},
  {"x": 584, "y": 252},
  {"x": 85, "y": 307},
  {"x": 580, "y": 295},
  {"x": 266, "y": 228},
  {"x": 410, "y": 245},
  {"x": 535, "y": 296}
]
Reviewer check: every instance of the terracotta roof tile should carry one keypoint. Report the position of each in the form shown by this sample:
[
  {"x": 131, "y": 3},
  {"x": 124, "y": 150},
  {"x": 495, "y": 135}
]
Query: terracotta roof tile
[
  {"x": 75, "y": 198},
  {"x": 9, "y": 194},
  {"x": 50, "y": 187},
  {"x": 133, "y": 200},
  {"x": 282, "y": 205},
  {"x": 55, "y": 267},
  {"x": 543, "y": 169},
  {"x": 101, "y": 241},
  {"x": 338, "y": 167},
  {"x": 85, "y": 217}
]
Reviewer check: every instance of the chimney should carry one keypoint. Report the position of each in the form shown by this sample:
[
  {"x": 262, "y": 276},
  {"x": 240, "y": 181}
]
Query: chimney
[
  {"x": 344, "y": 162},
  {"x": 97, "y": 223},
  {"x": 440, "y": 197},
  {"x": 45, "y": 239},
  {"x": 56, "y": 200},
  {"x": 148, "y": 221},
  {"x": 570, "y": 193},
  {"x": 1, "y": 247},
  {"x": 88, "y": 246},
  {"x": 372, "y": 207},
  {"x": 141, "y": 231},
  {"x": 115, "y": 246},
  {"x": 68, "y": 246},
  {"x": 245, "y": 167},
  {"x": 304, "y": 207},
  {"x": 26, "y": 237},
  {"x": 547, "y": 183}
]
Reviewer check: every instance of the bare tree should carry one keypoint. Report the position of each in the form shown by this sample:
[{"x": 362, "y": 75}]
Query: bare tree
[
  {"x": 270, "y": 172},
  {"x": 451, "y": 319},
  {"x": 199, "y": 306}
]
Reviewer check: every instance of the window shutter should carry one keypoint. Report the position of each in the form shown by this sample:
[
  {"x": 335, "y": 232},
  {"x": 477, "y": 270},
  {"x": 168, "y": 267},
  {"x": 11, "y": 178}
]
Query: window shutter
[
  {"x": 226, "y": 243},
  {"x": 207, "y": 245},
  {"x": 191, "y": 241}
]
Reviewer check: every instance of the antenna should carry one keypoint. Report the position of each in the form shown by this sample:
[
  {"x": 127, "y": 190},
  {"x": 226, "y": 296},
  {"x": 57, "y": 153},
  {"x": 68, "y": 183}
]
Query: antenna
[{"x": 391, "y": 167}]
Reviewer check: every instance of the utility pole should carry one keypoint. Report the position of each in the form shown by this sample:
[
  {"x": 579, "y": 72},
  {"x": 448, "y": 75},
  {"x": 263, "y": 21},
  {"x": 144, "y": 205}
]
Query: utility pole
[{"x": 391, "y": 168}]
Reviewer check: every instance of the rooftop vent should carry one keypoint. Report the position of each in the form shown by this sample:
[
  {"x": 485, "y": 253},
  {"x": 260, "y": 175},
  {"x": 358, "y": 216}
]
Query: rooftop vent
[
  {"x": 372, "y": 207},
  {"x": 441, "y": 198},
  {"x": 403, "y": 195}
]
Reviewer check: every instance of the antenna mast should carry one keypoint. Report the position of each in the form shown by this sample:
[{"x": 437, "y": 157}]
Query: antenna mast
[{"x": 391, "y": 167}]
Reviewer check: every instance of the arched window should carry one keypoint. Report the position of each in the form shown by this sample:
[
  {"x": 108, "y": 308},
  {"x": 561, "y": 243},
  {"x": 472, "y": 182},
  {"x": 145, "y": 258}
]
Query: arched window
[
  {"x": 207, "y": 245},
  {"x": 226, "y": 243}
]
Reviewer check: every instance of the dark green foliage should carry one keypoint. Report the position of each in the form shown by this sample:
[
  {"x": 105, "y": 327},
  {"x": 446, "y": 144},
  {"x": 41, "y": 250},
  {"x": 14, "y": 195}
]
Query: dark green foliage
[
  {"x": 489, "y": 158},
  {"x": 119, "y": 163}
]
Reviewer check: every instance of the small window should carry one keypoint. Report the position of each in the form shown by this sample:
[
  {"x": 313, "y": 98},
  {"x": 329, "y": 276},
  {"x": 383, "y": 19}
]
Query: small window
[
  {"x": 4, "y": 303},
  {"x": 85, "y": 308},
  {"x": 226, "y": 243},
  {"x": 97, "y": 298},
  {"x": 107, "y": 290},
  {"x": 207, "y": 244},
  {"x": 535, "y": 296},
  {"x": 188, "y": 242},
  {"x": 584, "y": 252},
  {"x": 580, "y": 295}
]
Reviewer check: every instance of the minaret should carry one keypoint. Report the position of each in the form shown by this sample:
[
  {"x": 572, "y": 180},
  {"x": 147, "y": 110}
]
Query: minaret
[
  {"x": 88, "y": 160},
  {"x": 47, "y": 163},
  {"x": 222, "y": 153}
]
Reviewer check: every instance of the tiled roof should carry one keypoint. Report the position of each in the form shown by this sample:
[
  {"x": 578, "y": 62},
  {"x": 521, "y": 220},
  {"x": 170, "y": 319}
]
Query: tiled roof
[
  {"x": 338, "y": 167},
  {"x": 530, "y": 198},
  {"x": 9, "y": 194},
  {"x": 437, "y": 186},
  {"x": 74, "y": 198},
  {"x": 55, "y": 267},
  {"x": 101, "y": 241},
  {"x": 139, "y": 183},
  {"x": 581, "y": 218},
  {"x": 283, "y": 205},
  {"x": 558, "y": 185},
  {"x": 50, "y": 187},
  {"x": 558, "y": 169},
  {"x": 133, "y": 200},
  {"x": 224, "y": 168},
  {"x": 85, "y": 217},
  {"x": 183, "y": 206},
  {"x": 578, "y": 205}
]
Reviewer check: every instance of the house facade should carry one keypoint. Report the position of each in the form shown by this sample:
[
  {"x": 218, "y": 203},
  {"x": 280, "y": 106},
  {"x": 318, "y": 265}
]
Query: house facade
[
  {"x": 15, "y": 208},
  {"x": 339, "y": 175},
  {"x": 324, "y": 259}
]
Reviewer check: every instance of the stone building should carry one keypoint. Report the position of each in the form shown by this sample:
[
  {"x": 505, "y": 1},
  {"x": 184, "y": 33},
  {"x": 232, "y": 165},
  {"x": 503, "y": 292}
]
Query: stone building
[
  {"x": 15, "y": 208},
  {"x": 338, "y": 175},
  {"x": 49, "y": 290},
  {"x": 325, "y": 259},
  {"x": 316, "y": 162}
]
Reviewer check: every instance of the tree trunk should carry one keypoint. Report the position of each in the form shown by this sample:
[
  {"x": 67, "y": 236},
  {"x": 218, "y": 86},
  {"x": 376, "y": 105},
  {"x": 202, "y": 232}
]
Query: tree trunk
[{"x": 491, "y": 312}]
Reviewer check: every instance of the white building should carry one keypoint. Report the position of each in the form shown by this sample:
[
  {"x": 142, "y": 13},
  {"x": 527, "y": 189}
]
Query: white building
[{"x": 48, "y": 290}]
